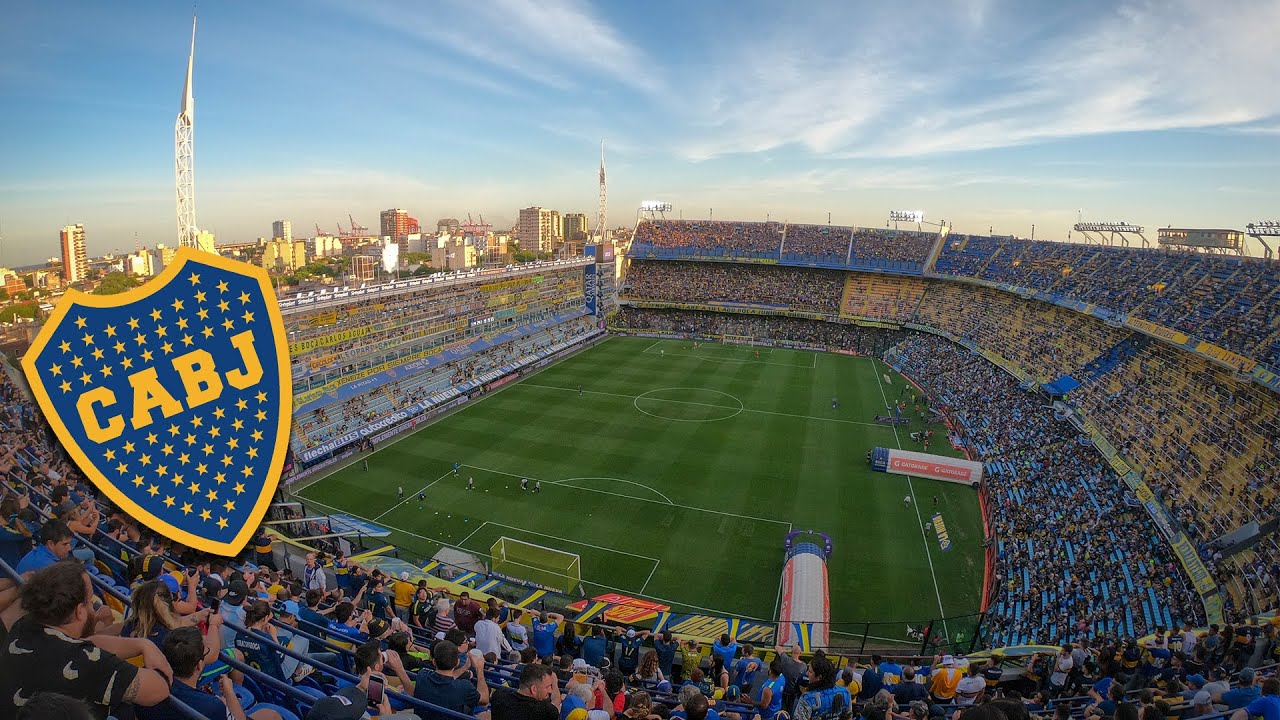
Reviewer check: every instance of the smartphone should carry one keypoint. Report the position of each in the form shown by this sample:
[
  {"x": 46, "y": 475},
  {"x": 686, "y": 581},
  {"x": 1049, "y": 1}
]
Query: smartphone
[{"x": 377, "y": 684}]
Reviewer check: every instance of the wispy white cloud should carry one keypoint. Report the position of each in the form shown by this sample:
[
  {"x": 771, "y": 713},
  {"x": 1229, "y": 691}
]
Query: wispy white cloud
[
  {"x": 845, "y": 179},
  {"x": 551, "y": 42},
  {"x": 965, "y": 85}
]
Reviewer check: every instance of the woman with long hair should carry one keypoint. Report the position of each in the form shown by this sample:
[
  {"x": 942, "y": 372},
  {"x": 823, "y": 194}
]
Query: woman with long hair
[
  {"x": 154, "y": 616},
  {"x": 568, "y": 644},
  {"x": 649, "y": 671}
]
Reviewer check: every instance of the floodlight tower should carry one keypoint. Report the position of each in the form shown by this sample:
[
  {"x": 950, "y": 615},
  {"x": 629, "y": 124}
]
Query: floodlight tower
[
  {"x": 601, "y": 215},
  {"x": 1108, "y": 232},
  {"x": 184, "y": 167},
  {"x": 1264, "y": 229}
]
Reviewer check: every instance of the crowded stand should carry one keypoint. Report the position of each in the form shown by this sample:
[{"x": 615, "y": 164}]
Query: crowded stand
[
  {"x": 819, "y": 241},
  {"x": 879, "y": 297},
  {"x": 1073, "y": 560},
  {"x": 758, "y": 237},
  {"x": 801, "y": 289},
  {"x": 1227, "y": 300},
  {"x": 326, "y": 422},
  {"x": 1204, "y": 438},
  {"x": 901, "y": 251},
  {"x": 1044, "y": 340},
  {"x": 894, "y": 246},
  {"x": 1210, "y": 442},
  {"x": 760, "y": 328}
]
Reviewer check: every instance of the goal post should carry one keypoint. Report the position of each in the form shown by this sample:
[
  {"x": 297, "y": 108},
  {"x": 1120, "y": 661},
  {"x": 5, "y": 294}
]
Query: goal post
[
  {"x": 738, "y": 339},
  {"x": 535, "y": 565}
]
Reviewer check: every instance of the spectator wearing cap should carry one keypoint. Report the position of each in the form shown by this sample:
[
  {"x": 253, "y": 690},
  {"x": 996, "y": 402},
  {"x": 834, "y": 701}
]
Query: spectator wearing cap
[
  {"x": 186, "y": 652},
  {"x": 1266, "y": 706},
  {"x": 629, "y": 655},
  {"x": 445, "y": 685},
  {"x": 214, "y": 583},
  {"x": 1218, "y": 684},
  {"x": 50, "y": 648},
  {"x": 943, "y": 683},
  {"x": 232, "y": 609},
  {"x": 1248, "y": 691},
  {"x": 405, "y": 591}
]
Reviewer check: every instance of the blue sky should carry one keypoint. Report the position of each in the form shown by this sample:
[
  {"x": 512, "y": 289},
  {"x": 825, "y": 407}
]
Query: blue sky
[{"x": 985, "y": 113}]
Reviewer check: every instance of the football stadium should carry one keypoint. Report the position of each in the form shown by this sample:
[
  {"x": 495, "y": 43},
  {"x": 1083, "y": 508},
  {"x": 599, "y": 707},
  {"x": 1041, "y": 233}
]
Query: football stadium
[
  {"x": 690, "y": 460},
  {"x": 894, "y": 454}
]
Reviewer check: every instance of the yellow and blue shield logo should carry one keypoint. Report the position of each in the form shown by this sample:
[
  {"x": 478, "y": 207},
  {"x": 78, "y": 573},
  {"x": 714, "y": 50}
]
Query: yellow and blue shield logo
[{"x": 174, "y": 397}]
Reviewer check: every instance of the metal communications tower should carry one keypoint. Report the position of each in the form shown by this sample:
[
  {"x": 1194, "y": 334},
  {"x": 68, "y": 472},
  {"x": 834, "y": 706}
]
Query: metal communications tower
[
  {"x": 601, "y": 216},
  {"x": 184, "y": 169}
]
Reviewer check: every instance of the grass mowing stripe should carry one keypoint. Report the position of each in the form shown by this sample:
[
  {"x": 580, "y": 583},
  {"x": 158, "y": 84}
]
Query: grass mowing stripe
[
  {"x": 710, "y": 501},
  {"x": 927, "y": 550}
]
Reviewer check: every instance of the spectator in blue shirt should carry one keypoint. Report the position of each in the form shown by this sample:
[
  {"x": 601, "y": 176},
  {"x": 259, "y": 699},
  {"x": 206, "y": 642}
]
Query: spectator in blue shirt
[
  {"x": 723, "y": 651},
  {"x": 665, "y": 645},
  {"x": 1245, "y": 694},
  {"x": 544, "y": 633},
  {"x": 54, "y": 545},
  {"x": 1267, "y": 706},
  {"x": 593, "y": 647}
]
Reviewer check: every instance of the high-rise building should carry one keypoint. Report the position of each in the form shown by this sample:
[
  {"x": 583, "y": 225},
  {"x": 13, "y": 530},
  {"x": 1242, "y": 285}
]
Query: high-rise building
[
  {"x": 283, "y": 255},
  {"x": 534, "y": 229},
  {"x": 575, "y": 227},
  {"x": 75, "y": 262},
  {"x": 397, "y": 224},
  {"x": 557, "y": 229},
  {"x": 282, "y": 229}
]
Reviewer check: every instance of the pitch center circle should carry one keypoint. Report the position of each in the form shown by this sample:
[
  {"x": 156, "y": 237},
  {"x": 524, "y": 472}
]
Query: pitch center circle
[{"x": 688, "y": 404}]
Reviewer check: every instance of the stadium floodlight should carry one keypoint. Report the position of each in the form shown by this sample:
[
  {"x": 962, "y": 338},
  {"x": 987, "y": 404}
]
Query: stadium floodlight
[
  {"x": 1117, "y": 227},
  {"x": 911, "y": 216},
  {"x": 1270, "y": 228},
  {"x": 655, "y": 206}
]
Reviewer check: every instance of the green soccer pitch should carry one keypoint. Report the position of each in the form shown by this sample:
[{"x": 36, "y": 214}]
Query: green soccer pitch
[{"x": 677, "y": 472}]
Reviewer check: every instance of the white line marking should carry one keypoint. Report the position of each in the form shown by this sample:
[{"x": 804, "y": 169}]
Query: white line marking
[
  {"x": 942, "y": 614},
  {"x": 646, "y": 580},
  {"x": 601, "y": 477},
  {"x": 669, "y": 601},
  {"x": 731, "y": 360},
  {"x": 777, "y": 601},
  {"x": 632, "y": 497},
  {"x": 655, "y": 344},
  {"x": 464, "y": 540},
  {"x": 644, "y": 396},
  {"x": 574, "y": 542},
  {"x": 410, "y": 497},
  {"x": 295, "y": 489},
  {"x": 690, "y": 402}
]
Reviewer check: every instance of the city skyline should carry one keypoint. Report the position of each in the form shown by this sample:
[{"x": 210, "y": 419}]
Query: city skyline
[{"x": 983, "y": 113}]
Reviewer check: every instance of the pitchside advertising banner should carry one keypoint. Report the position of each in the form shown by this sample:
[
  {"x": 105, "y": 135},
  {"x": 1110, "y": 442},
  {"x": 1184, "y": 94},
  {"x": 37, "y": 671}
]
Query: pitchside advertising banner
[
  {"x": 590, "y": 287},
  {"x": 926, "y": 465}
]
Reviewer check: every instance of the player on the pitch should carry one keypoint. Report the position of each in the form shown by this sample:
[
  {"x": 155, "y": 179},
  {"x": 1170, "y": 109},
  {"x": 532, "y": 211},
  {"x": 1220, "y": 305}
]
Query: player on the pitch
[
  {"x": 524, "y": 483},
  {"x": 400, "y": 491},
  {"x": 422, "y": 496},
  {"x": 455, "y": 469},
  {"x": 835, "y": 403},
  {"x": 906, "y": 501},
  {"x": 471, "y": 483},
  {"x": 537, "y": 486}
]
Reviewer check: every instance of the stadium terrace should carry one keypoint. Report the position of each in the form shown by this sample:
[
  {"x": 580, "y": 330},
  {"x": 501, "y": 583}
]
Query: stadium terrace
[{"x": 558, "y": 488}]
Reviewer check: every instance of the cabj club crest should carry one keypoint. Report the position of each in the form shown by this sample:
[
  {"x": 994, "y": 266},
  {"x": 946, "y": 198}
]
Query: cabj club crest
[{"x": 174, "y": 397}]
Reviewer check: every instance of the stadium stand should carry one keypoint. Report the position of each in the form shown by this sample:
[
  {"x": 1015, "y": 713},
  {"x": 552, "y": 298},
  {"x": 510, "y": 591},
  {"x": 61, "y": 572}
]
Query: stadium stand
[
  {"x": 1077, "y": 562},
  {"x": 1227, "y": 300},
  {"x": 768, "y": 286}
]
